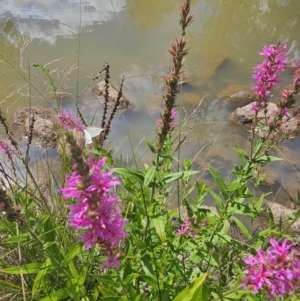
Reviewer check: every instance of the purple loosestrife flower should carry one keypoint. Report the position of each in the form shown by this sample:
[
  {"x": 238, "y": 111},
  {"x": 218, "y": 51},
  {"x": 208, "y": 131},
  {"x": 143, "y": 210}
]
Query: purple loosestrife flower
[
  {"x": 174, "y": 115},
  {"x": 184, "y": 228},
  {"x": 97, "y": 210},
  {"x": 255, "y": 107},
  {"x": 288, "y": 95},
  {"x": 266, "y": 74},
  {"x": 67, "y": 120},
  {"x": 188, "y": 229},
  {"x": 277, "y": 271},
  {"x": 285, "y": 112}
]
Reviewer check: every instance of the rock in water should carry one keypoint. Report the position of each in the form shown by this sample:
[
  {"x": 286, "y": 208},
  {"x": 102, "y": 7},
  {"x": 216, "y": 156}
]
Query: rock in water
[{"x": 113, "y": 92}]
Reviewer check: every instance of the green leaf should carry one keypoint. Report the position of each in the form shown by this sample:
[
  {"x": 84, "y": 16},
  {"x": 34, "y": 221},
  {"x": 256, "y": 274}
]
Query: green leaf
[
  {"x": 106, "y": 292},
  {"x": 71, "y": 254},
  {"x": 130, "y": 278},
  {"x": 242, "y": 227},
  {"x": 58, "y": 295},
  {"x": 242, "y": 154},
  {"x": 139, "y": 297},
  {"x": 259, "y": 202},
  {"x": 130, "y": 174},
  {"x": 218, "y": 200},
  {"x": 219, "y": 181},
  {"x": 205, "y": 293},
  {"x": 151, "y": 280},
  {"x": 30, "y": 268},
  {"x": 178, "y": 175},
  {"x": 82, "y": 276},
  {"x": 236, "y": 295},
  {"x": 172, "y": 177},
  {"x": 257, "y": 147},
  {"x": 151, "y": 146},
  {"x": 73, "y": 290},
  {"x": 159, "y": 225},
  {"x": 190, "y": 292},
  {"x": 38, "y": 281},
  {"x": 150, "y": 176},
  {"x": 189, "y": 173},
  {"x": 298, "y": 197},
  {"x": 147, "y": 265},
  {"x": 234, "y": 185},
  {"x": 271, "y": 219},
  {"x": 268, "y": 159},
  {"x": 8, "y": 284},
  {"x": 127, "y": 270},
  {"x": 17, "y": 238},
  {"x": 226, "y": 227},
  {"x": 73, "y": 270},
  {"x": 95, "y": 294},
  {"x": 107, "y": 279}
]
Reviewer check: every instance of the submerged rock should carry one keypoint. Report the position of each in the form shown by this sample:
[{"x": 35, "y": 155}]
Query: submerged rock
[
  {"x": 192, "y": 99},
  {"x": 291, "y": 157},
  {"x": 113, "y": 92},
  {"x": 210, "y": 69},
  {"x": 237, "y": 95},
  {"x": 153, "y": 103},
  {"x": 271, "y": 177}
]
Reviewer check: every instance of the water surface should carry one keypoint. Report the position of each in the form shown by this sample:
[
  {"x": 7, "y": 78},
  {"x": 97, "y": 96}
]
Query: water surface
[{"x": 74, "y": 38}]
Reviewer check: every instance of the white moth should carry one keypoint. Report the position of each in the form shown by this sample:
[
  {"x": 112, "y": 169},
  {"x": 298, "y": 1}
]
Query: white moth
[{"x": 91, "y": 132}]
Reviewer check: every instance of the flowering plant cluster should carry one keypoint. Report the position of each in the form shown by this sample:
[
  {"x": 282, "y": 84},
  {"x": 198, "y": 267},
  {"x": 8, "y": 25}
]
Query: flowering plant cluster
[
  {"x": 267, "y": 77},
  {"x": 178, "y": 52},
  {"x": 281, "y": 123},
  {"x": 266, "y": 73},
  {"x": 183, "y": 253},
  {"x": 67, "y": 120},
  {"x": 97, "y": 209},
  {"x": 277, "y": 271}
]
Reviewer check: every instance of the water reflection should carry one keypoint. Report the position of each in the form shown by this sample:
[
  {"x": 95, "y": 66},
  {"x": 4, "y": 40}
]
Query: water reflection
[{"x": 58, "y": 17}]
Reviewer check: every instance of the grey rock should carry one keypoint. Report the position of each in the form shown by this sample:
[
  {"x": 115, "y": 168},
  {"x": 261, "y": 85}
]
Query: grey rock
[{"x": 44, "y": 129}]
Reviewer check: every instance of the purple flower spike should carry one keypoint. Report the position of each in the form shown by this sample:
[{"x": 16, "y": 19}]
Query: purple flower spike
[
  {"x": 97, "y": 210},
  {"x": 67, "y": 120},
  {"x": 266, "y": 74}
]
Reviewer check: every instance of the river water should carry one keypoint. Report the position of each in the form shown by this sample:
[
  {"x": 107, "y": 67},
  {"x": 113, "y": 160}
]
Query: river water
[{"x": 74, "y": 38}]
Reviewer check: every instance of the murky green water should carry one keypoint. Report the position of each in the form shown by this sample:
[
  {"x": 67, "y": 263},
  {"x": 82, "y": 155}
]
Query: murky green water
[{"x": 133, "y": 36}]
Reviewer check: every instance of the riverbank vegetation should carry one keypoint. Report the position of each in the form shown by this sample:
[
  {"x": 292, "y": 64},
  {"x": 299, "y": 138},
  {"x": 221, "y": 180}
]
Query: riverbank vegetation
[{"x": 108, "y": 231}]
